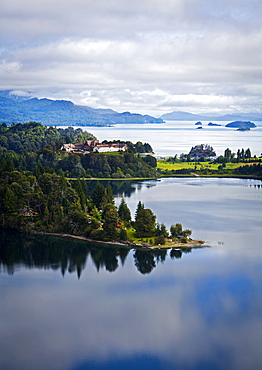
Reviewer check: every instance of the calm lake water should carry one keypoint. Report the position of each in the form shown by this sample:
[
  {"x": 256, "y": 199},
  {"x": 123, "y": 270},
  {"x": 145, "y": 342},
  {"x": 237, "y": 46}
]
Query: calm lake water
[
  {"x": 176, "y": 137},
  {"x": 71, "y": 305}
]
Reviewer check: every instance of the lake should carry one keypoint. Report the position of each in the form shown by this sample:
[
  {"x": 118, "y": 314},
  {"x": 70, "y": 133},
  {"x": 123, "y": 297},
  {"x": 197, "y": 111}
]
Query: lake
[
  {"x": 176, "y": 137},
  {"x": 74, "y": 306}
]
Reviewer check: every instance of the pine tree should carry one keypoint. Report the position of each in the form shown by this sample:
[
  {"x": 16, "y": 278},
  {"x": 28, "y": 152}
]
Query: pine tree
[
  {"x": 123, "y": 234},
  {"x": 107, "y": 197},
  {"x": 176, "y": 230},
  {"x": 139, "y": 207},
  {"x": 145, "y": 223},
  {"x": 10, "y": 200},
  {"x": 110, "y": 221},
  {"x": 124, "y": 212},
  {"x": 97, "y": 194},
  {"x": 81, "y": 193}
]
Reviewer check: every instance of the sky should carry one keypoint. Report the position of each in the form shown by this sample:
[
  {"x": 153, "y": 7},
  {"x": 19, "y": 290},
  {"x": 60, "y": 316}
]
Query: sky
[{"x": 144, "y": 56}]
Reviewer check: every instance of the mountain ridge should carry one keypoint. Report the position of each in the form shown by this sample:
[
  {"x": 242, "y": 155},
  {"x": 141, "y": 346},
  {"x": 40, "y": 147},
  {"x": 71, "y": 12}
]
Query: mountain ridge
[
  {"x": 185, "y": 116},
  {"x": 14, "y": 108}
]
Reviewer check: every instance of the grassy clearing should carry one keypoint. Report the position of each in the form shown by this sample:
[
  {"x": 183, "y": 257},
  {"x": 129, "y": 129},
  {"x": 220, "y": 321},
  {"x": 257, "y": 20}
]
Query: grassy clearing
[
  {"x": 168, "y": 244},
  {"x": 169, "y": 166},
  {"x": 131, "y": 236}
]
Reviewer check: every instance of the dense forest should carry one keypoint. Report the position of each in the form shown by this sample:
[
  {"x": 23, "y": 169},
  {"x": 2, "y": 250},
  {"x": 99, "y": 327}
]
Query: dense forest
[
  {"x": 50, "y": 203},
  {"x": 35, "y": 148},
  {"x": 44, "y": 189},
  {"x": 36, "y": 192}
]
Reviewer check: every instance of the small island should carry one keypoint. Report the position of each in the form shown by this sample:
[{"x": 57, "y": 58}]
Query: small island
[
  {"x": 213, "y": 124},
  {"x": 241, "y": 125},
  {"x": 243, "y": 129}
]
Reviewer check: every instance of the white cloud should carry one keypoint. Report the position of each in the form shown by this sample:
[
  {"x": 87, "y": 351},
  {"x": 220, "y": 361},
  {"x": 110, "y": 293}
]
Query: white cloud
[{"x": 189, "y": 48}]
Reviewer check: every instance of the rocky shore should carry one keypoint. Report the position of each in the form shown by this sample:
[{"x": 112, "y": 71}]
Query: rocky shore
[{"x": 127, "y": 244}]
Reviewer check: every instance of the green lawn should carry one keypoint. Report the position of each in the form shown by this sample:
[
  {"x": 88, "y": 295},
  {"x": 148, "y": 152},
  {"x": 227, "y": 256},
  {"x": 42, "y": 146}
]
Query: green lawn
[
  {"x": 131, "y": 236},
  {"x": 163, "y": 165}
]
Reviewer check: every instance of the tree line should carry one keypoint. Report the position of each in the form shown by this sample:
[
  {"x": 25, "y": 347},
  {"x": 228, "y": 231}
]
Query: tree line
[
  {"x": 36, "y": 194},
  {"x": 203, "y": 153},
  {"x": 35, "y": 148},
  {"x": 51, "y": 203},
  {"x": 70, "y": 256}
]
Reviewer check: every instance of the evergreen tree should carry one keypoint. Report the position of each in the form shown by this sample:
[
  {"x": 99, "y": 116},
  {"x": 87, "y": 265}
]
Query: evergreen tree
[
  {"x": 81, "y": 194},
  {"x": 110, "y": 221},
  {"x": 163, "y": 230},
  {"x": 123, "y": 234},
  {"x": 107, "y": 197},
  {"x": 10, "y": 201},
  {"x": 148, "y": 148},
  {"x": 238, "y": 155},
  {"x": 176, "y": 230},
  {"x": 248, "y": 153},
  {"x": 145, "y": 223},
  {"x": 85, "y": 187},
  {"x": 97, "y": 194},
  {"x": 140, "y": 206},
  {"x": 160, "y": 240},
  {"x": 124, "y": 212},
  {"x": 96, "y": 214},
  {"x": 158, "y": 230}
]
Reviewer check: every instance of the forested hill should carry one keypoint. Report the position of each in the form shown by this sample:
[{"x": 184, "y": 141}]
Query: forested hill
[
  {"x": 62, "y": 112},
  {"x": 33, "y": 147},
  {"x": 36, "y": 193},
  {"x": 32, "y": 136}
]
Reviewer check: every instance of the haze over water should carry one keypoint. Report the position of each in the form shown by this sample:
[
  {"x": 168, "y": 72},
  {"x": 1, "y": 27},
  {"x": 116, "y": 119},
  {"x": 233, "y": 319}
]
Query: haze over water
[{"x": 176, "y": 137}]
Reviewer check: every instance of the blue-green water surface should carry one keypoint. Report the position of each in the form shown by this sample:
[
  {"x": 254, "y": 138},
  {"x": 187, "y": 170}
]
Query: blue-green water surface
[{"x": 71, "y": 305}]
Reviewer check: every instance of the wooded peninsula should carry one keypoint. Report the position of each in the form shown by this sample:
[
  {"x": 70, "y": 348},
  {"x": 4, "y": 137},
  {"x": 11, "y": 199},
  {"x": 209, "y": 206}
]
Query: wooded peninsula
[{"x": 43, "y": 186}]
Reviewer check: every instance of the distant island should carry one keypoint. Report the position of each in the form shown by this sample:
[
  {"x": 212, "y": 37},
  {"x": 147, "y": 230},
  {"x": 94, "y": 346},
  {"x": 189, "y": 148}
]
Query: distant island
[
  {"x": 15, "y": 108},
  {"x": 214, "y": 124},
  {"x": 185, "y": 116},
  {"x": 243, "y": 125},
  {"x": 243, "y": 129}
]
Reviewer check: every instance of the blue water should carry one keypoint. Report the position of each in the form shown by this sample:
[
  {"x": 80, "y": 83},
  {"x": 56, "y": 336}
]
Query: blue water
[
  {"x": 66, "y": 305},
  {"x": 176, "y": 137}
]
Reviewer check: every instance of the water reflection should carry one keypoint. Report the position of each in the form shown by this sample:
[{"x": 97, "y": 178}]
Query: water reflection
[
  {"x": 119, "y": 187},
  {"x": 46, "y": 252},
  {"x": 123, "y": 187},
  {"x": 157, "y": 312}
]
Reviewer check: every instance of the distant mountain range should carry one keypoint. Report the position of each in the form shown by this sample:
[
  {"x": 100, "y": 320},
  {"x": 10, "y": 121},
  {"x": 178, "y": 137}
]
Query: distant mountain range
[
  {"x": 14, "y": 108},
  {"x": 184, "y": 116}
]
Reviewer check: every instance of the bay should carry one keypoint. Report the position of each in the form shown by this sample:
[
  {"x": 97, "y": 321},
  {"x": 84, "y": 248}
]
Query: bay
[
  {"x": 70, "y": 305},
  {"x": 176, "y": 137}
]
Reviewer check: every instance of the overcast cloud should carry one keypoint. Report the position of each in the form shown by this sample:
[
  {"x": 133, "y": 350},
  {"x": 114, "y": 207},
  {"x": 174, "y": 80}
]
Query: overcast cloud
[{"x": 144, "y": 56}]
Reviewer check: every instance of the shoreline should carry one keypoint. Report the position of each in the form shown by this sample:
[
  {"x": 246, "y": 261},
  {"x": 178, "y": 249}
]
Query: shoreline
[
  {"x": 191, "y": 175},
  {"x": 128, "y": 244}
]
